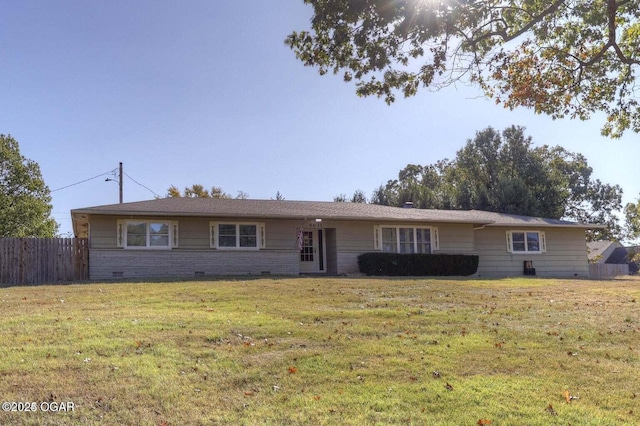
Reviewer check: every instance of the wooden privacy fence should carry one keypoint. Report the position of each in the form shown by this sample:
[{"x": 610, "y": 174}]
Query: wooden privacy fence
[
  {"x": 26, "y": 261},
  {"x": 607, "y": 270}
]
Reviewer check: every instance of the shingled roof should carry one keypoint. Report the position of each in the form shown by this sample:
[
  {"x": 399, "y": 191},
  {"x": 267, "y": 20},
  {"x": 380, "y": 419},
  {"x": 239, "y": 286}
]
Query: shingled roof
[{"x": 285, "y": 209}]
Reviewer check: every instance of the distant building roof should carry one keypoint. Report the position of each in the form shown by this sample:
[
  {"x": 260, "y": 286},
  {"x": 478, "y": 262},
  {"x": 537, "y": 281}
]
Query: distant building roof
[
  {"x": 618, "y": 256},
  {"x": 599, "y": 251},
  {"x": 612, "y": 252}
]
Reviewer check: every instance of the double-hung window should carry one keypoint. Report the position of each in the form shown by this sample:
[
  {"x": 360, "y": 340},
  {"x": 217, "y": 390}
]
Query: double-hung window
[
  {"x": 147, "y": 234},
  {"x": 405, "y": 239},
  {"x": 231, "y": 235},
  {"x": 526, "y": 242}
]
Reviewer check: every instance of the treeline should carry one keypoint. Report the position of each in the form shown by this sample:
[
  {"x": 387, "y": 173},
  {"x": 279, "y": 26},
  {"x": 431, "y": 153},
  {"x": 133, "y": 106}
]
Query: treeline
[{"x": 503, "y": 172}]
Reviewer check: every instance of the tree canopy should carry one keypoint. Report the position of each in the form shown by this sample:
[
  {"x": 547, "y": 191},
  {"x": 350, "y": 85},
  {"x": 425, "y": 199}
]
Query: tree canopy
[
  {"x": 358, "y": 197},
  {"x": 199, "y": 191},
  {"x": 504, "y": 172},
  {"x": 25, "y": 200},
  {"x": 632, "y": 216},
  {"x": 559, "y": 57}
]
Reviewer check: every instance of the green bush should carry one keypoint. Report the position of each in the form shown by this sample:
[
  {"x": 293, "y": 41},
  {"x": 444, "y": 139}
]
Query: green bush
[{"x": 394, "y": 264}]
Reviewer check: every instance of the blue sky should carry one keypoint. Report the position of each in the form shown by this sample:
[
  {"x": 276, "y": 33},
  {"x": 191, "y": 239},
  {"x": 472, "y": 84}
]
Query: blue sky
[{"x": 206, "y": 92}]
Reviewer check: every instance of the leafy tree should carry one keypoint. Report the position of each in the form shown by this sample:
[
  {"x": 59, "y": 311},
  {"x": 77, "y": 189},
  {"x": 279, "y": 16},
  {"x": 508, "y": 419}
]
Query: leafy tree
[
  {"x": 634, "y": 255},
  {"x": 559, "y": 57},
  {"x": 198, "y": 191},
  {"x": 424, "y": 186},
  {"x": 279, "y": 197},
  {"x": 25, "y": 200},
  {"x": 217, "y": 192},
  {"x": 503, "y": 172},
  {"x": 173, "y": 192},
  {"x": 358, "y": 197},
  {"x": 342, "y": 198},
  {"x": 632, "y": 216}
]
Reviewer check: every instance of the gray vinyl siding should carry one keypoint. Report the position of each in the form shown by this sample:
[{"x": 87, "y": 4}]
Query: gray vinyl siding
[
  {"x": 566, "y": 254},
  {"x": 193, "y": 233},
  {"x": 193, "y": 256},
  {"x": 456, "y": 239},
  {"x": 355, "y": 238},
  {"x": 345, "y": 239},
  {"x": 102, "y": 232},
  {"x": 352, "y": 239}
]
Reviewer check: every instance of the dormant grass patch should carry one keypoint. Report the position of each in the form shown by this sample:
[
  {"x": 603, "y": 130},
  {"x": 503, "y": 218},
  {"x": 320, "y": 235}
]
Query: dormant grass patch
[{"x": 322, "y": 351}]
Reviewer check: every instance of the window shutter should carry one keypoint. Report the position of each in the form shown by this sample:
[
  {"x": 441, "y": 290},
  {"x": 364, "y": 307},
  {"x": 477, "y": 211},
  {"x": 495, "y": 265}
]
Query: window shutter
[
  {"x": 376, "y": 238},
  {"x": 120, "y": 234},
  {"x": 509, "y": 248},
  {"x": 543, "y": 242},
  {"x": 435, "y": 236},
  {"x": 262, "y": 236},
  {"x": 174, "y": 236},
  {"x": 212, "y": 234}
]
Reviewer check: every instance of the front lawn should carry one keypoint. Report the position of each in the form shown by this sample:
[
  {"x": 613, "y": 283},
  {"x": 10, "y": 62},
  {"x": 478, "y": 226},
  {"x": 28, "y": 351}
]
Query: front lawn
[{"x": 322, "y": 351}]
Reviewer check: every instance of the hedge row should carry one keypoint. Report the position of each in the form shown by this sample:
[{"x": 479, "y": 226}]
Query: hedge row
[{"x": 394, "y": 264}]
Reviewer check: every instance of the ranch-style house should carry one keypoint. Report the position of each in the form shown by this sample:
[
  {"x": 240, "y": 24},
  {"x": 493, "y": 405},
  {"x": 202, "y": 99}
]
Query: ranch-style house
[{"x": 194, "y": 237}]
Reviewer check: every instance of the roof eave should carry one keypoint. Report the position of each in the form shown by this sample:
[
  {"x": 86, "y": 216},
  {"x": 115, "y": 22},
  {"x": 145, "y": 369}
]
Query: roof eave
[
  {"x": 137, "y": 213},
  {"x": 575, "y": 225}
]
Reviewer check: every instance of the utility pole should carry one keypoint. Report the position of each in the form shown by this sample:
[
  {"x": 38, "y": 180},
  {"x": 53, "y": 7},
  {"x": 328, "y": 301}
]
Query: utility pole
[{"x": 120, "y": 182}]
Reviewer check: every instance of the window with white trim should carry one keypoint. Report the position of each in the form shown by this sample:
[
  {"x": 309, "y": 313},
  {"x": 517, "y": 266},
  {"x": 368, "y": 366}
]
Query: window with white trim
[
  {"x": 405, "y": 239},
  {"x": 234, "y": 235},
  {"x": 153, "y": 234},
  {"x": 526, "y": 242}
]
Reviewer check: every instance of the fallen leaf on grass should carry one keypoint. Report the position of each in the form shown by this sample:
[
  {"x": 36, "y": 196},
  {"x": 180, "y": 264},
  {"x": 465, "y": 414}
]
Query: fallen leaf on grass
[
  {"x": 551, "y": 411},
  {"x": 568, "y": 397},
  {"x": 448, "y": 386},
  {"x": 483, "y": 422},
  {"x": 293, "y": 370}
]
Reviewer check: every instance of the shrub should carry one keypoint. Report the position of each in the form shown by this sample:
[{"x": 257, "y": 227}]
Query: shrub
[{"x": 394, "y": 264}]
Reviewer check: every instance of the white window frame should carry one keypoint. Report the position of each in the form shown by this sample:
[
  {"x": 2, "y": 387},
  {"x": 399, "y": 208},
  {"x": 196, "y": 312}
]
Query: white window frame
[
  {"x": 122, "y": 227},
  {"x": 214, "y": 232},
  {"x": 433, "y": 233},
  {"x": 542, "y": 242}
]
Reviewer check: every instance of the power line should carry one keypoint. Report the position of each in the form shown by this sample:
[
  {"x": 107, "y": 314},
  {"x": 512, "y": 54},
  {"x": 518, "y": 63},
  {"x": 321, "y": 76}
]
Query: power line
[
  {"x": 83, "y": 181},
  {"x": 145, "y": 187},
  {"x": 110, "y": 172}
]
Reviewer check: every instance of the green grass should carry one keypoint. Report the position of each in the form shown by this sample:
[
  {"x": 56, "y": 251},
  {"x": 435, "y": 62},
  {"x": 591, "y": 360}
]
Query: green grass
[{"x": 328, "y": 351}]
